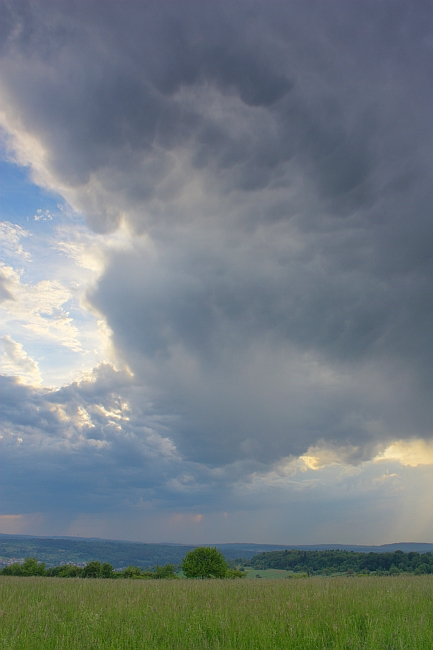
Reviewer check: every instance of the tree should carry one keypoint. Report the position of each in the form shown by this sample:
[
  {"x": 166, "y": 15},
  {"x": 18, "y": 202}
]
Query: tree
[
  {"x": 106, "y": 570},
  {"x": 92, "y": 570},
  {"x": 131, "y": 572},
  {"x": 166, "y": 572},
  {"x": 204, "y": 562},
  {"x": 30, "y": 567},
  {"x": 422, "y": 568},
  {"x": 64, "y": 571}
]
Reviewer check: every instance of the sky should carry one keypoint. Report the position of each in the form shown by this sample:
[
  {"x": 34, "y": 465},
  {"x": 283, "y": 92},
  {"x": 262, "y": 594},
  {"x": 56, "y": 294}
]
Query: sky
[{"x": 216, "y": 270}]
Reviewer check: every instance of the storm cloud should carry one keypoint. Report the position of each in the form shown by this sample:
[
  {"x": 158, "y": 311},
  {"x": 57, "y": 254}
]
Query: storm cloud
[{"x": 271, "y": 164}]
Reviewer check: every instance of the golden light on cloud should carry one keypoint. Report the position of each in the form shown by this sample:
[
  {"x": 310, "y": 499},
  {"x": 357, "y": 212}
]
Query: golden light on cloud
[
  {"x": 16, "y": 361},
  {"x": 182, "y": 518},
  {"x": 20, "y": 524},
  {"x": 320, "y": 456},
  {"x": 10, "y": 517},
  {"x": 317, "y": 462},
  {"x": 409, "y": 452}
]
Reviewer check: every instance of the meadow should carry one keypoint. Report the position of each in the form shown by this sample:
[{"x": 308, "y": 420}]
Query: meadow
[
  {"x": 268, "y": 574},
  {"x": 385, "y": 613}
]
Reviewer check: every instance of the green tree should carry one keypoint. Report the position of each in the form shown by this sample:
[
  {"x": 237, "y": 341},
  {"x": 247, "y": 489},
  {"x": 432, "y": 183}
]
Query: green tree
[
  {"x": 11, "y": 570},
  {"x": 92, "y": 570},
  {"x": 204, "y": 562},
  {"x": 106, "y": 570},
  {"x": 166, "y": 572},
  {"x": 422, "y": 568},
  {"x": 131, "y": 572},
  {"x": 32, "y": 567},
  {"x": 64, "y": 571}
]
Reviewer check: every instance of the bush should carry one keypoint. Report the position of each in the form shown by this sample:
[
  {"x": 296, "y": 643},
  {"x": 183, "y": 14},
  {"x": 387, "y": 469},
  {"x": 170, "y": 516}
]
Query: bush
[{"x": 234, "y": 573}]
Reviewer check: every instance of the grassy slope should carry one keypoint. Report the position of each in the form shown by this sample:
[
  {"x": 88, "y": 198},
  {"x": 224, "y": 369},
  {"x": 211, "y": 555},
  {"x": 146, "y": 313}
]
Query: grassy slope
[{"x": 340, "y": 613}]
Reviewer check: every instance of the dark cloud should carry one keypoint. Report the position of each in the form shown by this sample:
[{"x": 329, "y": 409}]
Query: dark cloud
[
  {"x": 273, "y": 162},
  {"x": 94, "y": 458},
  {"x": 95, "y": 447}
]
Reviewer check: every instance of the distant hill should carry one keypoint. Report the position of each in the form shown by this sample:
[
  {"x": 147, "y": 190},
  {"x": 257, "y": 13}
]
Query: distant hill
[
  {"x": 59, "y": 550},
  {"x": 339, "y": 561},
  {"x": 244, "y": 550},
  {"x": 120, "y": 553}
]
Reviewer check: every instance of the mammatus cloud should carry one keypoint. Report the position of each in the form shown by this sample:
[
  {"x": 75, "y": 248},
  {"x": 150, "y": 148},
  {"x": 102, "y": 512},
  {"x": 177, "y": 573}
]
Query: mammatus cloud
[{"x": 267, "y": 170}]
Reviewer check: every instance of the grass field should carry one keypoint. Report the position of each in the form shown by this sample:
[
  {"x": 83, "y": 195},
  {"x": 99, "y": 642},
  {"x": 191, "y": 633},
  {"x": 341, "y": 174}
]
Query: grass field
[
  {"x": 268, "y": 574},
  {"x": 318, "y": 613}
]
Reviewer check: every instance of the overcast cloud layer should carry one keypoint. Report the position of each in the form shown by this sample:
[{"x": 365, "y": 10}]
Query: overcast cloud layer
[{"x": 269, "y": 169}]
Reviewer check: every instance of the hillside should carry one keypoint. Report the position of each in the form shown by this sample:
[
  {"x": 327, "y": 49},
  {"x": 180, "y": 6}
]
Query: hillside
[
  {"x": 330, "y": 562},
  {"x": 56, "y": 550}
]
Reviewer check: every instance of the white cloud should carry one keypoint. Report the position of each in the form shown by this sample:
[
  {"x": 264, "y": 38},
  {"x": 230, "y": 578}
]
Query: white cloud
[
  {"x": 40, "y": 308},
  {"x": 44, "y": 305},
  {"x": 42, "y": 215},
  {"x": 11, "y": 235},
  {"x": 409, "y": 452},
  {"x": 15, "y": 361},
  {"x": 87, "y": 250}
]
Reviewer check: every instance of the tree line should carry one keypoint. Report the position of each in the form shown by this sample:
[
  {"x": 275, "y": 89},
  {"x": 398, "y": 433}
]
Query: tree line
[
  {"x": 208, "y": 562},
  {"x": 328, "y": 562},
  {"x": 202, "y": 562}
]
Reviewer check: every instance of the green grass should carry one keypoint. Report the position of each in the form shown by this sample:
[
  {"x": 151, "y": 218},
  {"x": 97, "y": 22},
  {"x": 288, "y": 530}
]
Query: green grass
[
  {"x": 317, "y": 613},
  {"x": 268, "y": 574}
]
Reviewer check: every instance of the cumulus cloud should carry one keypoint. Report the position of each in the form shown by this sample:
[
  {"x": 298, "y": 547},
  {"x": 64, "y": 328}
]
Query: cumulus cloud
[
  {"x": 17, "y": 362},
  {"x": 5, "y": 294},
  {"x": 409, "y": 452},
  {"x": 269, "y": 167},
  {"x": 96, "y": 447},
  {"x": 40, "y": 309}
]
